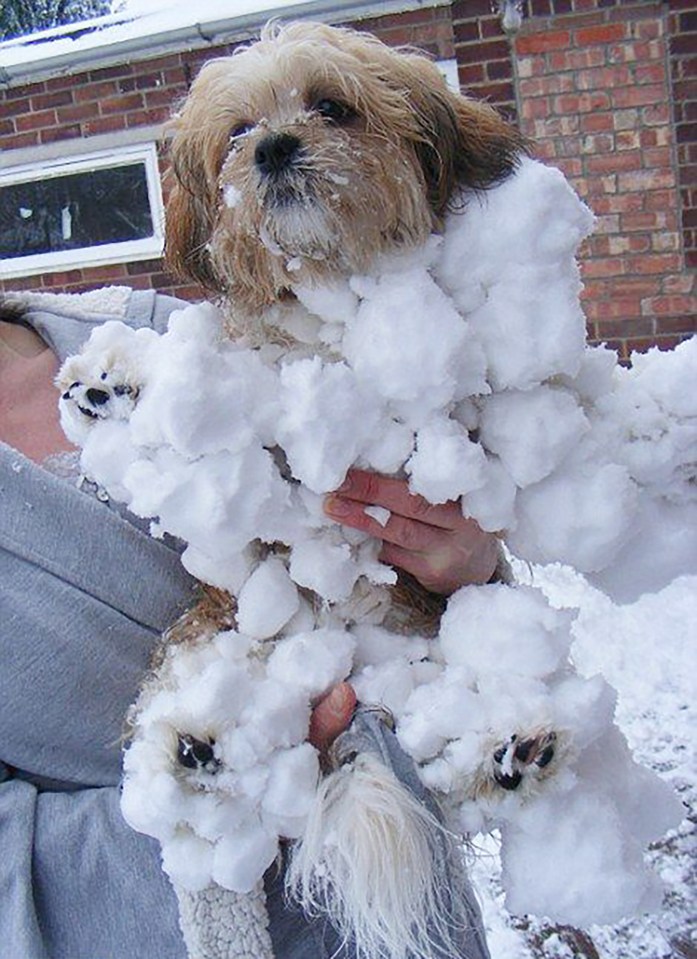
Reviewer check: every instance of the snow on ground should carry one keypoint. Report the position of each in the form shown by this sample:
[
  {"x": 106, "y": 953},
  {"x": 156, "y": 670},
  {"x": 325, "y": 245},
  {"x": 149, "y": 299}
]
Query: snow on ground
[{"x": 647, "y": 652}]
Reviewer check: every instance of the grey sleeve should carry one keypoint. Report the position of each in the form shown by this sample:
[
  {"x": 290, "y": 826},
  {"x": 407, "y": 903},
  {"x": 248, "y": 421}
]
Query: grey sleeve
[
  {"x": 98, "y": 889},
  {"x": 147, "y": 308},
  {"x": 66, "y": 321}
]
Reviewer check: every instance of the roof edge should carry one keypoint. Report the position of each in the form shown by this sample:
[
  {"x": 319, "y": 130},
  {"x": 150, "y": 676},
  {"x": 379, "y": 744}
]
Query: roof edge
[{"x": 197, "y": 36}]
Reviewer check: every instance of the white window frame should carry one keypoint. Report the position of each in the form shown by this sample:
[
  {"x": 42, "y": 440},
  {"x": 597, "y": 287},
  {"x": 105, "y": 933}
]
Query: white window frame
[
  {"x": 448, "y": 69},
  {"x": 123, "y": 252}
]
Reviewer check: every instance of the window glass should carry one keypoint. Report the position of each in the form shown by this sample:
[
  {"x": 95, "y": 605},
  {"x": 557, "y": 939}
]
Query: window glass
[
  {"x": 80, "y": 211},
  {"x": 75, "y": 210}
]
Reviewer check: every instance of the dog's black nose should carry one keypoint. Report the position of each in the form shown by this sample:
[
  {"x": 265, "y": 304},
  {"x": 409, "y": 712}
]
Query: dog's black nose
[
  {"x": 97, "y": 397},
  {"x": 275, "y": 152}
]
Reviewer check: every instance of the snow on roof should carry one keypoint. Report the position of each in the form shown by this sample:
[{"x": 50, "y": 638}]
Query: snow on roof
[{"x": 147, "y": 27}]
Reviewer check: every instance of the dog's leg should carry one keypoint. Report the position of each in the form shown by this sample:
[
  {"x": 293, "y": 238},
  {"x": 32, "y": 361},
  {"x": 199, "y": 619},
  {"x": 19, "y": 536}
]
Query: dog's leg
[
  {"x": 98, "y": 399},
  {"x": 103, "y": 381}
]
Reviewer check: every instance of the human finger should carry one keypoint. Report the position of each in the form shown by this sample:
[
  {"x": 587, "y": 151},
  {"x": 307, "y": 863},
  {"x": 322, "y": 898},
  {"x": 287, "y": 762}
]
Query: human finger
[
  {"x": 393, "y": 494},
  {"x": 331, "y": 716},
  {"x": 394, "y": 528}
]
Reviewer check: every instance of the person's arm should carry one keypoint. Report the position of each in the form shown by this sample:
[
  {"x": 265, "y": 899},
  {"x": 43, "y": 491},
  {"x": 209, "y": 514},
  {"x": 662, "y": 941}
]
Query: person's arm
[{"x": 437, "y": 545}]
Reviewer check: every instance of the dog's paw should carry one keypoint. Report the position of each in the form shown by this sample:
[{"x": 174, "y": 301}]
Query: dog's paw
[
  {"x": 102, "y": 399},
  {"x": 524, "y": 758},
  {"x": 92, "y": 391},
  {"x": 196, "y": 754},
  {"x": 105, "y": 380}
]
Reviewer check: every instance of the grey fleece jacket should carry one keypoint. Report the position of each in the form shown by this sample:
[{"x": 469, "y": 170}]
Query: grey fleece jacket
[{"x": 85, "y": 595}]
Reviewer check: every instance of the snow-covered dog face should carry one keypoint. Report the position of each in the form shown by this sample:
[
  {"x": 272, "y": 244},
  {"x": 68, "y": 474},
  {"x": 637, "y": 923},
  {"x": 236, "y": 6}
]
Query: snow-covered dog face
[{"x": 314, "y": 150}]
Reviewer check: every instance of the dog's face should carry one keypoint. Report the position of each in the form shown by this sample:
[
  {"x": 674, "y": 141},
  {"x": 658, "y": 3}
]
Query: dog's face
[{"x": 314, "y": 150}]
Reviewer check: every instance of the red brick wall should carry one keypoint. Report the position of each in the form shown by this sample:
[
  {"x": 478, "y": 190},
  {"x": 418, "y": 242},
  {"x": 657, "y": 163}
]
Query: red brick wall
[
  {"x": 429, "y": 29},
  {"x": 83, "y": 106},
  {"x": 594, "y": 83},
  {"x": 682, "y": 31},
  {"x": 483, "y": 54},
  {"x": 606, "y": 88},
  {"x": 99, "y": 101}
]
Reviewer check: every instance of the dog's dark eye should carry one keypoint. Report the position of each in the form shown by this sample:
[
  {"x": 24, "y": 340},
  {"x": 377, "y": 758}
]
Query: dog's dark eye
[
  {"x": 334, "y": 110},
  {"x": 240, "y": 129}
]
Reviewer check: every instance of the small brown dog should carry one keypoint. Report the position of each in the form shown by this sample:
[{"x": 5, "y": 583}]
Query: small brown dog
[{"x": 306, "y": 155}]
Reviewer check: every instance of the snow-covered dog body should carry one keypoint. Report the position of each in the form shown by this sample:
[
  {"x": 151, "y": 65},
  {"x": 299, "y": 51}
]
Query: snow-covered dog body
[{"x": 313, "y": 170}]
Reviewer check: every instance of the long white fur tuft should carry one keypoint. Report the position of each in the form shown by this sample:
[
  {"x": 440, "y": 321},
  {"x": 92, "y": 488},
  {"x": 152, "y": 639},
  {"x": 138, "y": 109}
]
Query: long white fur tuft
[{"x": 373, "y": 860}]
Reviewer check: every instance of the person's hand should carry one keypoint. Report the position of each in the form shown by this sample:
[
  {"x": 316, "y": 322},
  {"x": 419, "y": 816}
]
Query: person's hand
[
  {"x": 331, "y": 716},
  {"x": 437, "y": 545}
]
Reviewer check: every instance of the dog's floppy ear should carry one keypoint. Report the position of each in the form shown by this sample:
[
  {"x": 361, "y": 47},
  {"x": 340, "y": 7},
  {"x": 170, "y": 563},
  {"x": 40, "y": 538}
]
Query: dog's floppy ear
[
  {"x": 190, "y": 217},
  {"x": 466, "y": 144},
  {"x": 463, "y": 142}
]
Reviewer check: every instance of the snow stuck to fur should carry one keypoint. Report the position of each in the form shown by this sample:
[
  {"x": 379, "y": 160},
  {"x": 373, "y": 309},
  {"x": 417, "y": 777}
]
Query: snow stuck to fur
[{"x": 463, "y": 365}]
